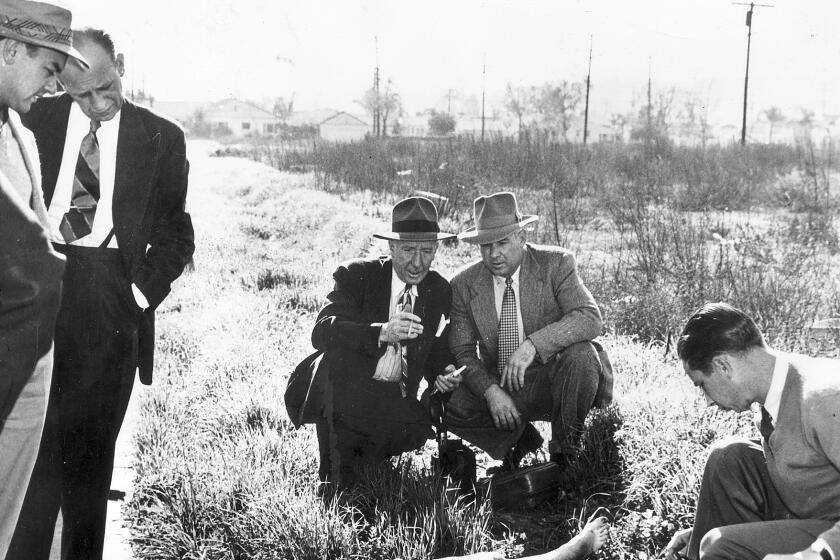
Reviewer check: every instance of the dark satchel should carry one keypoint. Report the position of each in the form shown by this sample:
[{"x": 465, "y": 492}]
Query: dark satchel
[
  {"x": 455, "y": 460},
  {"x": 604, "y": 395},
  {"x": 303, "y": 396}
]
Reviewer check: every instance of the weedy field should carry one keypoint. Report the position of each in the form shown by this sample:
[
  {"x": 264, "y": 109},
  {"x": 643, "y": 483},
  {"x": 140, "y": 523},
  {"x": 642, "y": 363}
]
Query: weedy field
[{"x": 222, "y": 474}]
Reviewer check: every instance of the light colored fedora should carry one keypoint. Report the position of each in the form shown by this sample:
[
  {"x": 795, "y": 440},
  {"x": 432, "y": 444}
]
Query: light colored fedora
[
  {"x": 414, "y": 219},
  {"x": 496, "y": 217},
  {"x": 39, "y": 23}
]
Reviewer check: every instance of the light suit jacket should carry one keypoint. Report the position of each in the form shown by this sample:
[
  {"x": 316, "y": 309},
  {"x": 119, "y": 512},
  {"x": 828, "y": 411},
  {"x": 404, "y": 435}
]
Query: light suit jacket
[
  {"x": 557, "y": 311},
  {"x": 30, "y": 279}
]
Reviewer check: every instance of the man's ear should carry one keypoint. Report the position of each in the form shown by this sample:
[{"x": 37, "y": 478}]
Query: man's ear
[
  {"x": 9, "y": 51},
  {"x": 120, "y": 63},
  {"x": 721, "y": 364}
]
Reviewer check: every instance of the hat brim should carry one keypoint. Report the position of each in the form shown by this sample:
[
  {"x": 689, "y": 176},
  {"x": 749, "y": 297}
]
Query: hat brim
[
  {"x": 491, "y": 235},
  {"x": 60, "y": 47},
  {"x": 413, "y": 236}
]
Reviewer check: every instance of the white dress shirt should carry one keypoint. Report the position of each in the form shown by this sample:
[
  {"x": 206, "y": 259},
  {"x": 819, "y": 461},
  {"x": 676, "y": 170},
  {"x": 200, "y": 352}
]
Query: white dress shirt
[
  {"x": 78, "y": 125},
  {"x": 397, "y": 288},
  {"x": 499, "y": 285},
  {"x": 777, "y": 384}
]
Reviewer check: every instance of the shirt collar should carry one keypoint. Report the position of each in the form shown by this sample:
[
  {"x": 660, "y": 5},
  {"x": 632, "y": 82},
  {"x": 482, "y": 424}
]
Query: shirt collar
[
  {"x": 397, "y": 285},
  {"x": 80, "y": 121},
  {"x": 773, "y": 401},
  {"x": 500, "y": 280}
]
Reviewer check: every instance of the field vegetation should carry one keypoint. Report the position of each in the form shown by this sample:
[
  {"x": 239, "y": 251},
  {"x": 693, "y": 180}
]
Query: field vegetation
[{"x": 221, "y": 472}]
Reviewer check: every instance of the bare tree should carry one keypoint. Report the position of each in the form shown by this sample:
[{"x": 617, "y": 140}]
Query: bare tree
[
  {"x": 693, "y": 119},
  {"x": 557, "y": 104},
  {"x": 774, "y": 116},
  {"x": 518, "y": 101},
  {"x": 386, "y": 103}
]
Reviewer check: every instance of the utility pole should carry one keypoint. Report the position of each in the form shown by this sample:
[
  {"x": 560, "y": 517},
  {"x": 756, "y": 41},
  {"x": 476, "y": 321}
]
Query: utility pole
[
  {"x": 586, "y": 107},
  {"x": 752, "y": 5},
  {"x": 649, "y": 131},
  {"x": 483, "y": 91},
  {"x": 376, "y": 130},
  {"x": 449, "y": 103}
]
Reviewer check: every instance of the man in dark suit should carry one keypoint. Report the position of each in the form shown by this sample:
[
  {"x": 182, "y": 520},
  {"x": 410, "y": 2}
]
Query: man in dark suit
[
  {"x": 380, "y": 334},
  {"x": 115, "y": 184},
  {"x": 778, "y": 498},
  {"x": 526, "y": 310},
  {"x": 35, "y": 41}
]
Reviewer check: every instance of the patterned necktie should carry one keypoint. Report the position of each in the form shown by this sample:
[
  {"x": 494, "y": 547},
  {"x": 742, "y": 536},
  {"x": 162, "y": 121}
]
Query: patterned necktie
[
  {"x": 508, "y": 327},
  {"x": 766, "y": 425},
  {"x": 78, "y": 221},
  {"x": 405, "y": 304}
]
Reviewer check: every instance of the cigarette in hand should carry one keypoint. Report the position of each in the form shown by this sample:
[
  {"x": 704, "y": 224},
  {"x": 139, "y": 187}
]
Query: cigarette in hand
[{"x": 410, "y": 326}]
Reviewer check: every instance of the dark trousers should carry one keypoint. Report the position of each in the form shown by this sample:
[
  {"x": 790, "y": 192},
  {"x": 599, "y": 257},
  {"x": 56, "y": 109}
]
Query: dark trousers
[
  {"x": 95, "y": 362},
  {"x": 740, "y": 516},
  {"x": 561, "y": 392}
]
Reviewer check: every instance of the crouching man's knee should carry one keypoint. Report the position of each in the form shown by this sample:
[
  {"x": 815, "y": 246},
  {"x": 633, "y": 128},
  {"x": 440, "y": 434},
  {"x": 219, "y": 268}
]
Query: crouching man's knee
[{"x": 722, "y": 544}]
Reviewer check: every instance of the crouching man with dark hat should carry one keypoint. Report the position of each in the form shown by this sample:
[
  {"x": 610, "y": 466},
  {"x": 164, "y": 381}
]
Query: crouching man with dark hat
[
  {"x": 531, "y": 319},
  {"x": 381, "y": 332}
]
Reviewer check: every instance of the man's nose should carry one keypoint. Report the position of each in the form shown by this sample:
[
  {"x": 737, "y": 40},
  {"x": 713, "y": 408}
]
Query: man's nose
[
  {"x": 52, "y": 85},
  {"x": 417, "y": 260}
]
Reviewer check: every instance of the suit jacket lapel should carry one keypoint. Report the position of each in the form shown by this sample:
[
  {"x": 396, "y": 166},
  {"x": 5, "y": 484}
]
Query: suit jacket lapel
[
  {"x": 137, "y": 151},
  {"x": 33, "y": 166},
  {"x": 530, "y": 292},
  {"x": 381, "y": 288},
  {"x": 483, "y": 306}
]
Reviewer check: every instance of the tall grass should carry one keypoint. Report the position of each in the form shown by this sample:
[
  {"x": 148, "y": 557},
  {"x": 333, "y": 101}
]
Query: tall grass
[{"x": 221, "y": 473}]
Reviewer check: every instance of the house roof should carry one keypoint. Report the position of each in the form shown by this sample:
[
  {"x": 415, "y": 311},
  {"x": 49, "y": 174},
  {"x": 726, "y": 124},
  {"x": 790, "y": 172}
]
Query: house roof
[
  {"x": 238, "y": 109},
  {"x": 342, "y": 118},
  {"x": 314, "y": 117}
]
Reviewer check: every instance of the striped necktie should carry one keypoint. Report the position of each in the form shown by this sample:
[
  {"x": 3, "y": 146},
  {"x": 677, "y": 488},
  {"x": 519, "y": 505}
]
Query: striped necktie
[
  {"x": 508, "y": 327},
  {"x": 405, "y": 303},
  {"x": 78, "y": 221},
  {"x": 766, "y": 425}
]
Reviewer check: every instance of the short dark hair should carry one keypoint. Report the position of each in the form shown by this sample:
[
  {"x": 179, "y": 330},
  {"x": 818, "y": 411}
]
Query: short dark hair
[
  {"x": 97, "y": 37},
  {"x": 714, "y": 329}
]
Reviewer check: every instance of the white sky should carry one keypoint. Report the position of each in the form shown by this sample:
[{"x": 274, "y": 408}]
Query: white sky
[{"x": 322, "y": 51}]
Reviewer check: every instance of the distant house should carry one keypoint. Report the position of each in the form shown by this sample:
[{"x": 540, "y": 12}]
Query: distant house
[
  {"x": 242, "y": 118},
  {"x": 181, "y": 111},
  {"x": 492, "y": 127},
  {"x": 343, "y": 127}
]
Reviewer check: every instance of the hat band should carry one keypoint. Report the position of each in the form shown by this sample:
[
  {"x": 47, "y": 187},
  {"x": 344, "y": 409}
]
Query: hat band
[
  {"x": 36, "y": 30},
  {"x": 415, "y": 226},
  {"x": 492, "y": 222}
]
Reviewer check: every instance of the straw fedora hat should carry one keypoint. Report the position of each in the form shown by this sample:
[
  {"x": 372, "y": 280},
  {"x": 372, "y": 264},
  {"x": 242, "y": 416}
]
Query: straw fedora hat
[
  {"x": 496, "y": 217},
  {"x": 40, "y": 24},
  {"x": 414, "y": 219}
]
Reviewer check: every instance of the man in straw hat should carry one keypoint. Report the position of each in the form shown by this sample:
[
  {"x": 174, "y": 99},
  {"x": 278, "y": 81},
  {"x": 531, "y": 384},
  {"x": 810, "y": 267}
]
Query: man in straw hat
[
  {"x": 115, "y": 185},
  {"x": 381, "y": 332},
  {"x": 35, "y": 41},
  {"x": 532, "y": 319}
]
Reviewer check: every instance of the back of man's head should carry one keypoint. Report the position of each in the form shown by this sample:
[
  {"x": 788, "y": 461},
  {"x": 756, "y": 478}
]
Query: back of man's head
[{"x": 714, "y": 329}]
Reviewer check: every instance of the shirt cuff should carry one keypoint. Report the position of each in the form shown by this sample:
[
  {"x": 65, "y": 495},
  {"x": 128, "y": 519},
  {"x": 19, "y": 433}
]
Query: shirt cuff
[
  {"x": 821, "y": 545},
  {"x": 141, "y": 300}
]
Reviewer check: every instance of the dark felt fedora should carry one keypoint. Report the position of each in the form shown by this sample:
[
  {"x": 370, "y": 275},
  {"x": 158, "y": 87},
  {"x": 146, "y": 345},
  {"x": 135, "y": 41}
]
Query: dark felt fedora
[
  {"x": 496, "y": 217},
  {"x": 39, "y": 23},
  {"x": 414, "y": 219}
]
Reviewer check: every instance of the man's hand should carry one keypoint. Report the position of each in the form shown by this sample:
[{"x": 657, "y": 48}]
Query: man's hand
[
  {"x": 402, "y": 326},
  {"x": 514, "y": 373},
  {"x": 806, "y": 554},
  {"x": 450, "y": 380},
  {"x": 677, "y": 546},
  {"x": 504, "y": 412}
]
